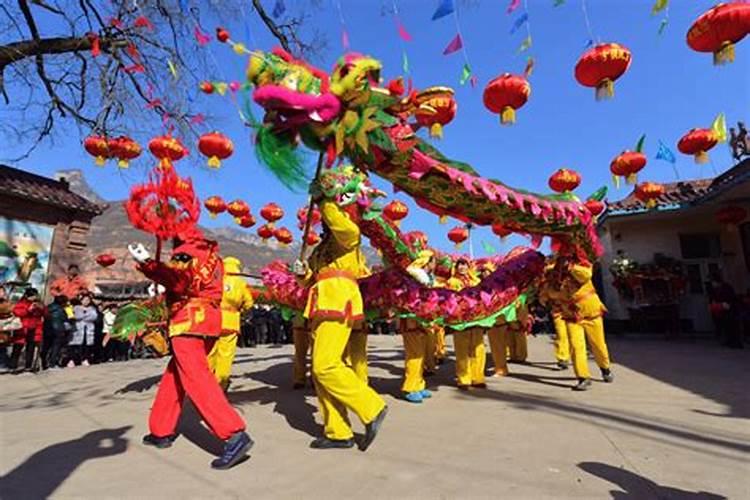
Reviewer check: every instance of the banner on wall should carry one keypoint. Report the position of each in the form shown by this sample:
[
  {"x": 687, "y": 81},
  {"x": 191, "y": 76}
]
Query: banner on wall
[{"x": 24, "y": 255}]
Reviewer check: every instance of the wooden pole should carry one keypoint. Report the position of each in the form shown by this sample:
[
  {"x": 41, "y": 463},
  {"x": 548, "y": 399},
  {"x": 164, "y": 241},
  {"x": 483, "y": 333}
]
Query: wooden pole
[{"x": 310, "y": 205}]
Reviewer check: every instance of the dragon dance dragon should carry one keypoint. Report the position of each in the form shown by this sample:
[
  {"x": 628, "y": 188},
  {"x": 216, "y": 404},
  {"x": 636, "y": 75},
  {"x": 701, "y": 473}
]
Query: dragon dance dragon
[{"x": 349, "y": 115}]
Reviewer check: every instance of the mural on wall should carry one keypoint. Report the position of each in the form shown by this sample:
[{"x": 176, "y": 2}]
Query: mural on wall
[{"x": 24, "y": 254}]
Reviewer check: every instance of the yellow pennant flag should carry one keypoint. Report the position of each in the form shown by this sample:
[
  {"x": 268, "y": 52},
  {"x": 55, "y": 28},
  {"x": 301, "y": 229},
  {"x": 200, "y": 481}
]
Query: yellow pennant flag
[
  {"x": 719, "y": 128},
  {"x": 172, "y": 68},
  {"x": 659, "y": 6}
]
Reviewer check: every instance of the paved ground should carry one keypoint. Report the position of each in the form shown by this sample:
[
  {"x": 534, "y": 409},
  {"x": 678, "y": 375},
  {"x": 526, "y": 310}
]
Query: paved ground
[{"x": 673, "y": 425}]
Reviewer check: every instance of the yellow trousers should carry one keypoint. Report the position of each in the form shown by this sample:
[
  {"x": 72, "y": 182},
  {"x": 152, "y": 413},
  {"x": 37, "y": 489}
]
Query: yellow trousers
[
  {"x": 499, "y": 336},
  {"x": 518, "y": 345},
  {"x": 430, "y": 350},
  {"x": 470, "y": 356},
  {"x": 355, "y": 354},
  {"x": 440, "y": 351},
  {"x": 301, "y": 339},
  {"x": 337, "y": 386},
  {"x": 414, "y": 354},
  {"x": 562, "y": 343},
  {"x": 221, "y": 357},
  {"x": 593, "y": 330}
]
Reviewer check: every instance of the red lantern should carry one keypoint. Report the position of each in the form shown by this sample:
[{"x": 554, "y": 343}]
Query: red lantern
[
  {"x": 600, "y": 66},
  {"x": 222, "y": 35},
  {"x": 98, "y": 147},
  {"x": 124, "y": 149},
  {"x": 207, "y": 87},
  {"x": 718, "y": 29},
  {"x": 302, "y": 217},
  {"x": 238, "y": 209},
  {"x": 283, "y": 236},
  {"x": 312, "y": 238},
  {"x": 105, "y": 260},
  {"x": 564, "y": 180},
  {"x": 627, "y": 164},
  {"x": 505, "y": 94},
  {"x": 698, "y": 142},
  {"x": 596, "y": 207},
  {"x": 649, "y": 193},
  {"x": 436, "y": 107},
  {"x": 271, "y": 212},
  {"x": 500, "y": 230},
  {"x": 458, "y": 235},
  {"x": 216, "y": 146},
  {"x": 167, "y": 149},
  {"x": 247, "y": 221},
  {"x": 215, "y": 206},
  {"x": 731, "y": 216},
  {"x": 265, "y": 232},
  {"x": 396, "y": 211}
]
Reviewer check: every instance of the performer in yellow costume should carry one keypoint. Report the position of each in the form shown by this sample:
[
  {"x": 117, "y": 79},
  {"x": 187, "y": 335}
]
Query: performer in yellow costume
[
  {"x": 518, "y": 330},
  {"x": 301, "y": 340},
  {"x": 583, "y": 311},
  {"x": 334, "y": 305},
  {"x": 468, "y": 344},
  {"x": 552, "y": 296},
  {"x": 503, "y": 333},
  {"x": 236, "y": 298},
  {"x": 355, "y": 355}
]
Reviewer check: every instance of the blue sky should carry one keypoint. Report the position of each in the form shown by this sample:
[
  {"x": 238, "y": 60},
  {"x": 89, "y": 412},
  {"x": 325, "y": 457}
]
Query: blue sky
[{"x": 668, "y": 90}]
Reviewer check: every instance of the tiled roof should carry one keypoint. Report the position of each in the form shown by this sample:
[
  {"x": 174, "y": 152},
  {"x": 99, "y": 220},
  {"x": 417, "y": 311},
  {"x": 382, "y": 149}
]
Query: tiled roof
[{"x": 23, "y": 184}]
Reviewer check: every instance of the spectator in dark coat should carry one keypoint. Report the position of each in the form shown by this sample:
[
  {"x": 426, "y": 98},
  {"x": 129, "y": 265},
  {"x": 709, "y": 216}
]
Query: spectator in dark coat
[{"x": 58, "y": 326}]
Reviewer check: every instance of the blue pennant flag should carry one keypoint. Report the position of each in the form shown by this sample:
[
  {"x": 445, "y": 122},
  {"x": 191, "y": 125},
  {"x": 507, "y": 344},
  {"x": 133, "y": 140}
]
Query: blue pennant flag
[
  {"x": 445, "y": 8},
  {"x": 279, "y": 8},
  {"x": 666, "y": 154},
  {"x": 523, "y": 18}
]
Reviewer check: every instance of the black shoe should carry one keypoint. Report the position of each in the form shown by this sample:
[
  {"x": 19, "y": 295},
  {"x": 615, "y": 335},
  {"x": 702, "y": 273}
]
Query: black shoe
[
  {"x": 607, "y": 375},
  {"x": 583, "y": 384},
  {"x": 479, "y": 386},
  {"x": 298, "y": 385},
  {"x": 235, "y": 449},
  {"x": 371, "y": 429},
  {"x": 462, "y": 387},
  {"x": 323, "y": 443},
  {"x": 159, "y": 442},
  {"x": 562, "y": 365}
]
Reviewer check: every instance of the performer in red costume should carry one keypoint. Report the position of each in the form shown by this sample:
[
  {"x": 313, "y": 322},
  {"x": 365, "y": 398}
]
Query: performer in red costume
[{"x": 193, "y": 281}]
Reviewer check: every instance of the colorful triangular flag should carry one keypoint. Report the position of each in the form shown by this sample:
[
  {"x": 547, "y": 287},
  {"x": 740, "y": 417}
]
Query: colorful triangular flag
[
  {"x": 405, "y": 62},
  {"x": 279, "y": 8},
  {"x": 525, "y": 45},
  {"x": 488, "y": 249},
  {"x": 405, "y": 36},
  {"x": 345, "y": 39},
  {"x": 444, "y": 8},
  {"x": 662, "y": 26},
  {"x": 529, "y": 67},
  {"x": 514, "y": 4},
  {"x": 659, "y": 6},
  {"x": 455, "y": 45},
  {"x": 465, "y": 74},
  {"x": 523, "y": 18},
  {"x": 719, "y": 128},
  {"x": 639, "y": 145},
  {"x": 666, "y": 154}
]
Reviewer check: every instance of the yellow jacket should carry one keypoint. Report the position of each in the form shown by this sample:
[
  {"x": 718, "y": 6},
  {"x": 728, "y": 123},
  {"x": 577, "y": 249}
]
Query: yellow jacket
[
  {"x": 335, "y": 265},
  {"x": 583, "y": 301},
  {"x": 236, "y": 297},
  {"x": 551, "y": 293},
  {"x": 458, "y": 283}
]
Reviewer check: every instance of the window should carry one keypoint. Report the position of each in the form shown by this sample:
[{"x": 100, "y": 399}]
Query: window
[
  {"x": 700, "y": 246},
  {"x": 695, "y": 282}
]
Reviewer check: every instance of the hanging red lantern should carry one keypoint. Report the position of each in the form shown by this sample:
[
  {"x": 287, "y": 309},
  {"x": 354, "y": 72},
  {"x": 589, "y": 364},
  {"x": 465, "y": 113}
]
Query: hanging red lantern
[
  {"x": 167, "y": 149},
  {"x": 600, "y": 66},
  {"x": 238, "y": 209},
  {"x": 283, "y": 236},
  {"x": 215, "y": 206},
  {"x": 312, "y": 238},
  {"x": 649, "y": 193},
  {"x": 505, "y": 94},
  {"x": 596, "y": 207},
  {"x": 458, "y": 235},
  {"x": 501, "y": 231},
  {"x": 247, "y": 221},
  {"x": 627, "y": 165},
  {"x": 698, "y": 142},
  {"x": 98, "y": 147},
  {"x": 731, "y": 216},
  {"x": 718, "y": 29},
  {"x": 124, "y": 149},
  {"x": 436, "y": 108},
  {"x": 207, "y": 87},
  {"x": 271, "y": 212},
  {"x": 216, "y": 146},
  {"x": 105, "y": 260},
  {"x": 302, "y": 217},
  {"x": 265, "y": 232},
  {"x": 564, "y": 180},
  {"x": 396, "y": 211}
]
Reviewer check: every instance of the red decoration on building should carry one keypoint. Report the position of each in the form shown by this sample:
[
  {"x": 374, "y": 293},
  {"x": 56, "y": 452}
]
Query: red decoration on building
[
  {"x": 105, "y": 260},
  {"x": 124, "y": 149},
  {"x": 436, "y": 107},
  {"x": 98, "y": 147},
  {"x": 216, "y": 146},
  {"x": 564, "y": 180},
  {"x": 458, "y": 235},
  {"x": 600, "y": 66},
  {"x": 627, "y": 165},
  {"x": 718, "y": 29},
  {"x": 731, "y": 216},
  {"x": 167, "y": 149},
  {"x": 698, "y": 142},
  {"x": 649, "y": 193},
  {"x": 238, "y": 209},
  {"x": 215, "y": 206},
  {"x": 505, "y": 94}
]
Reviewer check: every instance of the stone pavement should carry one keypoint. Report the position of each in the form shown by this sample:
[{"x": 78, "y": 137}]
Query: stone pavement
[{"x": 673, "y": 425}]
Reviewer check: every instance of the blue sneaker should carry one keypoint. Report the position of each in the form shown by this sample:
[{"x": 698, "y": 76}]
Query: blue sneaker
[
  {"x": 425, "y": 394},
  {"x": 234, "y": 450},
  {"x": 414, "y": 397}
]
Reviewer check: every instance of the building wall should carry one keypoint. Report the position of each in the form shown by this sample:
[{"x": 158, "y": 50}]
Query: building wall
[{"x": 642, "y": 236}]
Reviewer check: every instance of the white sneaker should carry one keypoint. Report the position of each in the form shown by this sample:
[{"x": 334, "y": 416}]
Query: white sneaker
[
  {"x": 85, "y": 363},
  {"x": 71, "y": 364}
]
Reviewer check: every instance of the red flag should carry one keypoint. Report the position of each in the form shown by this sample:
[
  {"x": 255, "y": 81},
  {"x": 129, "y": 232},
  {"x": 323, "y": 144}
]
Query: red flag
[
  {"x": 143, "y": 22},
  {"x": 95, "y": 49},
  {"x": 405, "y": 36},
  {"x": 455, "y": 45},
  {"x": 201, "y": 37}
]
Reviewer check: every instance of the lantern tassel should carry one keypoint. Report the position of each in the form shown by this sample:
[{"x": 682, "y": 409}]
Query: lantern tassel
[
  {"x": 701, "y": 157},
  {"x": 212, "y": 215},
  {"x": 725, "y": 54},
  {"x": 457, "y": 246},
  {"x": 214, "y": 162},
  {"x": 632, "y": 179},
  {"x": 443, "y": 219},
  {"x": 165, "y": 163},
  {"x": 605, "y": 90},
  {"x": 436, "y": 131},
  {"x": 123, "y": 164},
  {"x": 616, "y": 181},
  {"x": 99, "y": 161},
  {"x": 508, "y": 116}
]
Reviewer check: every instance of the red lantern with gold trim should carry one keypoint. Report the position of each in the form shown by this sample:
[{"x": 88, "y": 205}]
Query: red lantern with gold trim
[
  {"x": 167, "y": 149},
  {"x": 124, "y": 149},
  {"x": 105, "y": 260},
  {"x": 283, "y": 236},
  {"x": 596, "y": 207},
  {"x": 627, "y": 165},
  {"x": 649, "y": 193},
  {"x": 731, "y": 216},
  {"x": 436, "y": 107},
  {"x": 98, "y": 147},
  {"x": 302, "y": 217},
  {"x": 718, "y": 29},
  {"x": 238, "y": 209},
  {"x": 216, "y": 146},
  {"x": 600, "y": 66},
  {"x": 265, "y": 232},
  {"x": 215, "y": 206},
  {"x": 458, "y": 235},
  {"x": 698, "y": 142},
  {"x": 312, "y": 238},
  {"x": 501, "y": 231},
  {"x": 564, "y": 180},
  {"x": 505, "y": 94},
  {"x": 247, "y": 221},
  {"x": 396, "y": 211},
  {"x": 271, "y": 212}
]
